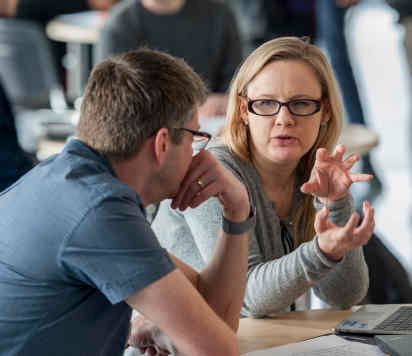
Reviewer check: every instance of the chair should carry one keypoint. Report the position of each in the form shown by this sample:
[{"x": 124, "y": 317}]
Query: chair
[{"x": 29, "y": 74}]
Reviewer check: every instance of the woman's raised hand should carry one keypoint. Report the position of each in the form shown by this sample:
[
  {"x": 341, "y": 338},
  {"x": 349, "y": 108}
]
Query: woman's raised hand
[{"x": 331, "y": 177}]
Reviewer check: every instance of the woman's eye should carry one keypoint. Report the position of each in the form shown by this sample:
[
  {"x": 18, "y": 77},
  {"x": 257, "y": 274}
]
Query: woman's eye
[
  {"x": 301, "y": 103},
  {"x": 265, "y": 103}
]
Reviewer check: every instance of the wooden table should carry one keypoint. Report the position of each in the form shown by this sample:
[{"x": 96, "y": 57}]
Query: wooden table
[{"x": 285, "y": 328}]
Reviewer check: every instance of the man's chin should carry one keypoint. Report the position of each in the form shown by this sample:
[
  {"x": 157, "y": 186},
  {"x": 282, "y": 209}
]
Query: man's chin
[{"x": 172, "y": 195}]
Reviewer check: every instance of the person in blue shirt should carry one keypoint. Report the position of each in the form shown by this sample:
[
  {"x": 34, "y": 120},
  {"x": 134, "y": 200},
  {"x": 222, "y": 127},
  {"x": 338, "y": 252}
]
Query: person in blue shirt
[{"x": 76, "y": 252}]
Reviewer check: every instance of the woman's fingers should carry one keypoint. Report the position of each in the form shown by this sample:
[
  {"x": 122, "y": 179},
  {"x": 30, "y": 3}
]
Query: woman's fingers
[
  {"x": 309, "y": 187},
  {"x": 323, "y": 183},
  {"x": 321, "y": 220},
  {"x": 365, "y": 230},
  {"x": 321, "y": 155},
  {"x": 360, "y": 177},
  {"x": 339, "y": 152},
  {"x": 350, "y": 225},
  {"x": 349, "y": 162}
]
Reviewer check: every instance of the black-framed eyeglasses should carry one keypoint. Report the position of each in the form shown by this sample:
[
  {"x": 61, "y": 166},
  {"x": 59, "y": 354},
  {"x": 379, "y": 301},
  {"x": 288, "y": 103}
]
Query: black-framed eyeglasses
[
  {"x": 270, "y": 107},
  {"x": 200, "y": 138}
]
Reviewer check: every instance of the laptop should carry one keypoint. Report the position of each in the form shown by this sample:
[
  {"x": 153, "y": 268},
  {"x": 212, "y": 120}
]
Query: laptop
[
  {"x": 395, "y": 345},
  {"x": 379, "y": 319}
]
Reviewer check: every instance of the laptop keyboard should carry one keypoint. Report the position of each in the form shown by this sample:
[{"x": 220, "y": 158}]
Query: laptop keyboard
[{"x": 398, "y": 321}]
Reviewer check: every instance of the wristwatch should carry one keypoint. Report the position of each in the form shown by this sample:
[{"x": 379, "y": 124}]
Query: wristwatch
[{"x": 238, "y": 228}]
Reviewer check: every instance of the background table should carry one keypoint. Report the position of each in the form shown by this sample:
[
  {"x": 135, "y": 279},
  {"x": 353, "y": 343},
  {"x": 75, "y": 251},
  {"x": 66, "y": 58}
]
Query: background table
[
  {"x": 80, "y": 31},
  {"x": 356, "y": 138},
  {"x": 285, "y": 328}
]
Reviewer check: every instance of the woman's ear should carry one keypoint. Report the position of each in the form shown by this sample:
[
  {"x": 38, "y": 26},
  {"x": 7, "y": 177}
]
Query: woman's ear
[
  {"x": 243, "y": 110},
  {"x": 161, "y": 145},
  {"x": 326, "y": 113}
]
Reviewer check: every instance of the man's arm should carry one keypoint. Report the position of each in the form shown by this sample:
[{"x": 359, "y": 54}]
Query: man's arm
[
  {"x": 185, "y": 317},
  {"x": 222, "y": 282}
]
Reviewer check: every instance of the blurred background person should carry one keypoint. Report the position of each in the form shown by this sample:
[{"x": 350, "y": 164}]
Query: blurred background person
[
  {"x": 203, "y": 32},
  {"x": 404, "y": 10},
  {"x": 14, "y": 162},
  {"x": 42, "y": 11},
  {"x": 330, "y": 20}
]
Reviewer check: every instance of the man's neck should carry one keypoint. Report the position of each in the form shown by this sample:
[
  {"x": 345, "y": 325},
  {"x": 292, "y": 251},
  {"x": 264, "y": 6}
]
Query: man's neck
[{"x": 163, "y": 7}]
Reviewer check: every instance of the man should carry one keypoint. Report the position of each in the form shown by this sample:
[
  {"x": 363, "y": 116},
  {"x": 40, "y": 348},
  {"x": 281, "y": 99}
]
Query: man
[
  {"x": 76, "y": 253},
  {"x": 203, "y": 32}
]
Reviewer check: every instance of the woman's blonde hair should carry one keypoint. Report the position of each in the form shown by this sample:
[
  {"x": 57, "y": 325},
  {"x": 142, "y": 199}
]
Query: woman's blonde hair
[{"x": 236, "y": 134}]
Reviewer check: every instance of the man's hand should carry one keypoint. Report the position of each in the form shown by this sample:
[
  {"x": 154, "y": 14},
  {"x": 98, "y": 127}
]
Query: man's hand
[
  {"x": 215, "y": 105},
  {"x": 148, "y": 338},
  {"x": 331, "y": 177},
  {"x": 207, "y": 178},
  {"x": 335, "y": 241}
]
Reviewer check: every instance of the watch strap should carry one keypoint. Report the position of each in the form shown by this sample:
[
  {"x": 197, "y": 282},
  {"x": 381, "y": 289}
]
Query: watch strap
[{"x": 238, "y": 228}]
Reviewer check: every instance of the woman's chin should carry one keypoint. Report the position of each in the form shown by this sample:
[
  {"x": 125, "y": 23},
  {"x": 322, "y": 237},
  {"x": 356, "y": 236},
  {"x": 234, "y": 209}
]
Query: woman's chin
[{"x": 285, "y": 156}]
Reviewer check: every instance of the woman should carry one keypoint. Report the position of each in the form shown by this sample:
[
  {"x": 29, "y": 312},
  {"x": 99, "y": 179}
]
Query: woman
[{"x": 284, "y": 116}]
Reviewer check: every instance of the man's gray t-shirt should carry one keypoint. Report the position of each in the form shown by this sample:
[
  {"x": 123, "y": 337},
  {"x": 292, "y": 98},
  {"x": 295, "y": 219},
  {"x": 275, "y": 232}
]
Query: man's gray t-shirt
[
  {"x": 74, "y": 244},
  {"x": 203, "y": 32}
]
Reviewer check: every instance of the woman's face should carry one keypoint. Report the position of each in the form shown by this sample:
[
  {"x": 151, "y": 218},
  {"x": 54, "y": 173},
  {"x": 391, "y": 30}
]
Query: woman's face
[{"x": 283, "y": 138}]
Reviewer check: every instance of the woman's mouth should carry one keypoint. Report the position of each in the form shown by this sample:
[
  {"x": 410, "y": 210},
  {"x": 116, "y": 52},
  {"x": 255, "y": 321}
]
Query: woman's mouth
[{"x": 285, "y": 140}]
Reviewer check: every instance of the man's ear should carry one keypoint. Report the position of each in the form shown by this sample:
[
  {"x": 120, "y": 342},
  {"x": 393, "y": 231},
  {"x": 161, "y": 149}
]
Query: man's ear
[{"x": 161, "y": 145}]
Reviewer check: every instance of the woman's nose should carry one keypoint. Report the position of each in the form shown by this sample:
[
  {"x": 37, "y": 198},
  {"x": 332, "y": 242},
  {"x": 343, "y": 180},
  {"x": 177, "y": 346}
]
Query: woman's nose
[{"x": 284, "y": 117}]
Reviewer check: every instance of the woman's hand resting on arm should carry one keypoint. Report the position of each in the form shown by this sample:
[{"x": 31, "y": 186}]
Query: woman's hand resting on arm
[{"x": 335, "y": 241}]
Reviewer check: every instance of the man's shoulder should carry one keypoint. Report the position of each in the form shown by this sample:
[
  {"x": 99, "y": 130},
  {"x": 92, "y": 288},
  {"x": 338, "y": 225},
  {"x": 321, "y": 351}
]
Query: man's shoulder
[{"x": 82, "y": 178}]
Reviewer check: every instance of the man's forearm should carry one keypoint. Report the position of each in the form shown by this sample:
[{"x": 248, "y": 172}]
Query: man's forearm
[
  {"x": 191, "y": 274},
  {"x": 222, "y": 282}
]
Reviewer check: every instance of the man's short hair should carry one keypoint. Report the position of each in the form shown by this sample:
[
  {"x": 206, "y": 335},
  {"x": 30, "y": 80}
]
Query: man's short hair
[{"x": 128, "y": 98}]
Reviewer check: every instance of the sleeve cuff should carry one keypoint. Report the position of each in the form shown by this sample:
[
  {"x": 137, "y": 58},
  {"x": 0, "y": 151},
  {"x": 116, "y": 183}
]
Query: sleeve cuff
[
  {"x": 334, "y": 205},
  {"x": 121, "y": 290}
]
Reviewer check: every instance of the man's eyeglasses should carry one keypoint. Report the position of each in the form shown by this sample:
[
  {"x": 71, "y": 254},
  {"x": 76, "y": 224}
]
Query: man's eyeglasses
[
  {"x": 298, "y": 107},
  {"x": 200, "y": 138}
]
